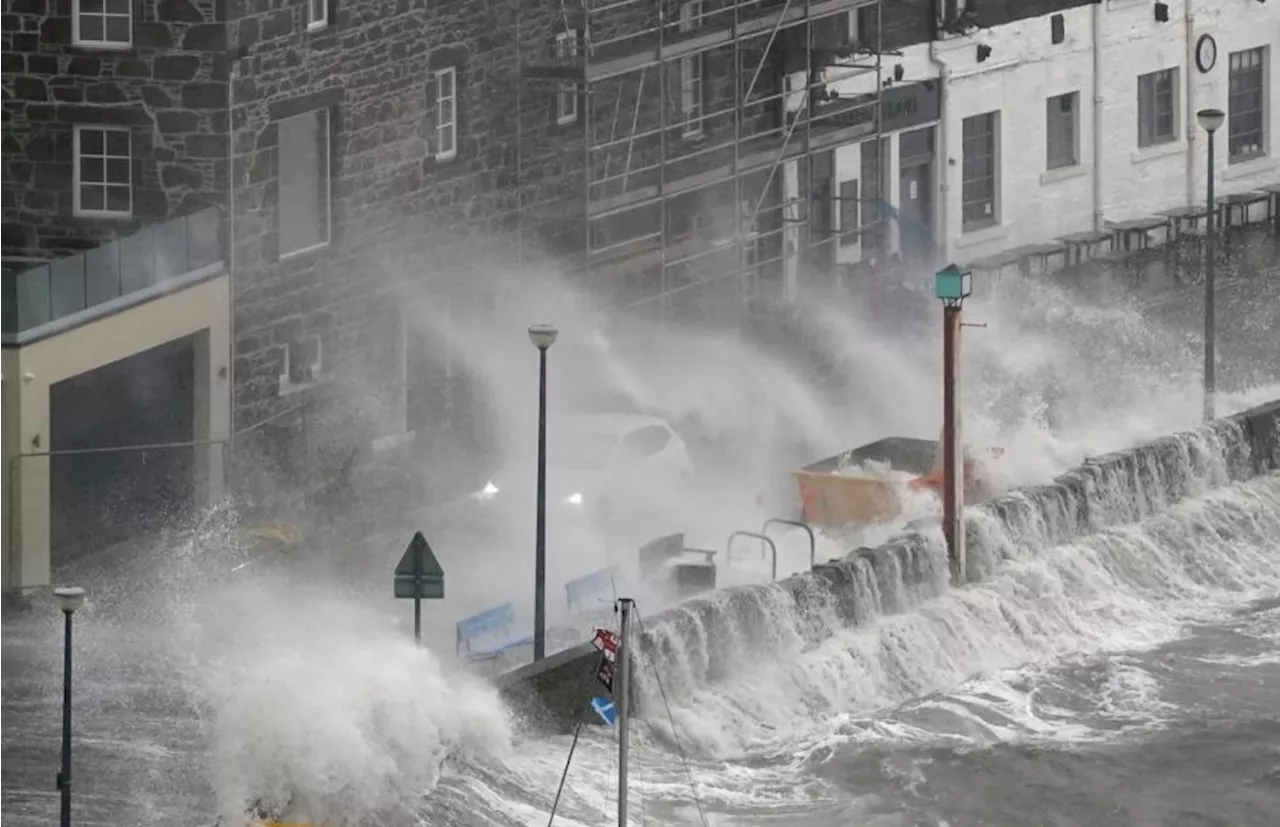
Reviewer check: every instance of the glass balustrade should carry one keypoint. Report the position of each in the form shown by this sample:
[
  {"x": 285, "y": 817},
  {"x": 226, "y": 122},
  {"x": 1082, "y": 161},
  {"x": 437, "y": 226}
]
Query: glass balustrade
[{"x": 161, "y": 253}]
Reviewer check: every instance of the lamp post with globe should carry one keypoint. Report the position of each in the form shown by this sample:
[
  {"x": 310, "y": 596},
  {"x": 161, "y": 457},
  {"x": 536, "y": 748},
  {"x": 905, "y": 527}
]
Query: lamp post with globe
[
  {"x": 69, "y": 599},
  {"x": 1210, "y": 120},
  {"x": 543, "y": 337}
]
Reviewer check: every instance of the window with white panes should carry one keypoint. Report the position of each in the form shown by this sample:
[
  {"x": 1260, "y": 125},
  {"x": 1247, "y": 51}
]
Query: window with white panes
[
  {"x": 102, "y": 24},
  {"x": 1062, "y": 131},
  {"x": 317, "y": 14},
  {"x": 1158, "y": 107},
  {"x": 103, "y": 171},
  {"x": 303, "y": 182},
  {"x": 446, "y": 83},
  {"x": 1246, "y": 105},
  {"x": 979, "y": 204},
  {"x": 567, "y": 96},
  {"x": 691, "y": 73}
]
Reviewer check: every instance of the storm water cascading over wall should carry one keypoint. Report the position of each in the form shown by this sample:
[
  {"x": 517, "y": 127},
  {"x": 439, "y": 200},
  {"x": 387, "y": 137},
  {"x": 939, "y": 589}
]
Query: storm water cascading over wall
[
  {"x": 735, "y": 629},
  {"x": 710, "y": 637}
]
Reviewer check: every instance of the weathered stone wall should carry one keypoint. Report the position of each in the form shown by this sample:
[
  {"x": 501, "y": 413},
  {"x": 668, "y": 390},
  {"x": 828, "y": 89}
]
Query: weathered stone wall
[
  {"x": 702, "y": 639},
  {"x": 403, "y": 224},
  {"x": 168, "y": 87}
]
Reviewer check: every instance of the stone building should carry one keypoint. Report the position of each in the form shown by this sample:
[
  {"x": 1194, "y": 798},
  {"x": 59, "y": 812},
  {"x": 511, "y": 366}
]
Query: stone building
[{"x": 303, "y": 176}]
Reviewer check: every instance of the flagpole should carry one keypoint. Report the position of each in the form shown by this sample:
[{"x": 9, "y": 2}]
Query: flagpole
[{"x": 622, "y": 698}]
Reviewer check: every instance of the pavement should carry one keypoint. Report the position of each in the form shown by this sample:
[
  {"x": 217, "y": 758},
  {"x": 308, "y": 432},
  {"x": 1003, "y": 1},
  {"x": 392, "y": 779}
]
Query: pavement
[{"x": 141, "y": 748}]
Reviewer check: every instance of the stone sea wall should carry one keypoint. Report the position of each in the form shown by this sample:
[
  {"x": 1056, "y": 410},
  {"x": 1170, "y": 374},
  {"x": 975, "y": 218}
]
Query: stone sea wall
[{"x": 703, "y": 639}]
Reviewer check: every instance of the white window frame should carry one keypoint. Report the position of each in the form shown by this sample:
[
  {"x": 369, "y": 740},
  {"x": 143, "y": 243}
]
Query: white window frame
[
  {"x": 446, "y": 103},
  {"x": 1052, "y": 131},
  {"x": 692, "y": 76},
  {"x": 314, "y": 370},
  {"x": 77, "y": 40},
  {"x": 327, "y": 153},
  {"x": 855, "y": 27},
  {"x": 1261, "y": 150},
  {"x": 991, "y": 218},
  {"x": 76, "y": 182},
  {"x": 1149, "y": 109},
  {"x": 567, "y": 94},
  {"x": 317, "y": 15},
  {"x": 949, "y": 10}
]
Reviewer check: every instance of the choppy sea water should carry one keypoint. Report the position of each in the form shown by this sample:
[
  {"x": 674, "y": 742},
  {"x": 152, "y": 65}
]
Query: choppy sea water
[{"x": 1110, "y": 682}]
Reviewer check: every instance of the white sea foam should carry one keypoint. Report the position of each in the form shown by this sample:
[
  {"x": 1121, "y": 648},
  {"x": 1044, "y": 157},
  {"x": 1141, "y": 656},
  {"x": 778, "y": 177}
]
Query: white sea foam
[{"x": 328, "y": 713}]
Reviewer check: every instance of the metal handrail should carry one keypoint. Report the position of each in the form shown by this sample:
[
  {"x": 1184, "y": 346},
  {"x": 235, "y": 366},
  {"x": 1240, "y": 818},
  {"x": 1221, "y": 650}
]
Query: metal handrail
[
  {"x": 15, "y": 536},
  {"x": 728, "y": 547},
  {"x": 813, "y": 540}
]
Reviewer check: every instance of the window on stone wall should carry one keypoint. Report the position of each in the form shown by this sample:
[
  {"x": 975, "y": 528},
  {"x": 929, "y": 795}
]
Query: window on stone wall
[
  {"x": 103, "y": 171},
  {"x": 446, "y": 113},
  {"x": 567, "y": 96},
  {"x": 302, "y": 209},
  {"x": 317, "y": 14},
  {"x": 1061, "y": 131},
  {"x": 103, "y": 24},
  {"x": 1158, "y": 107},
  {"x": 848, "y": 213},
  {"x": 979, "y": 206},
  {"x": 1247, "y": 116},
  {"x": 692, "y": 91}
]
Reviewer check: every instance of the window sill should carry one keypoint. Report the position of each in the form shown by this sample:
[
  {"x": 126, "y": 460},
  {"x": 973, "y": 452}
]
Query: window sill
[
  {"x": 390, "y": 442},
  {"x": 102, "y": 46},
  {"x": 288, "y": 387},
  {"x": 973, "y": 238},
  {"x": 1248, "y": 169},
  {"x": 444, "y": 157},
  {"x": 305, "y": 251},
  {"x": 103, "y": 215},
  {"x": 318, "y": 26},
  {"x": 1053, "y": 176},
  {"x": 1152, "y": 153},
  {"x": 567, "y": 120}
]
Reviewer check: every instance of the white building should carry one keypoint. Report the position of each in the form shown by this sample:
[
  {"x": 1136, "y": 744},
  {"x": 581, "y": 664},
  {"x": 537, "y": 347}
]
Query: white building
[{"x": 1060, "y": 123}]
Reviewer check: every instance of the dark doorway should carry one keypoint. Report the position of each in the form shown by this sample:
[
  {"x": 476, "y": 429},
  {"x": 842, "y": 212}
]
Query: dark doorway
[
  {"x": 915, "y": 194},
  {"x": 101, "y": 499}
]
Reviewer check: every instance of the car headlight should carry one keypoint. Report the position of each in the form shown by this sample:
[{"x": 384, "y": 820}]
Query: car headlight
[{"x": 574, "y": 499}]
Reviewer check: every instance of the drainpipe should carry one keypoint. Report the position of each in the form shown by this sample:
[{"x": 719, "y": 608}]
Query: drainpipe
[
  {"x": 1096, "y": 14},
  {"x": 1190, "y": 109},
  {"x": 233, "y": 63},
  {"x": 944, "y": 165}
]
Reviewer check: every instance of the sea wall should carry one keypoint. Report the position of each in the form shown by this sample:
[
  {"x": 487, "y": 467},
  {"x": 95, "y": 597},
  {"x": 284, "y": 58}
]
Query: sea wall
[{"x": 711, "y": 637}]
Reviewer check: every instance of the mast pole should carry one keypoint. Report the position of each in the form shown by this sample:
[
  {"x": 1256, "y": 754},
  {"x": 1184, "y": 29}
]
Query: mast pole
[{"x": 623, "y": 701}]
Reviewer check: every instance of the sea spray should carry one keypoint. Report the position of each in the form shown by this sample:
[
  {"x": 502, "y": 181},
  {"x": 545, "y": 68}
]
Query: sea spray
[
  {"x": 1123, "y": 587},
  {"x": 324, "y": 712},
  {"x": 703, "y": 640}
]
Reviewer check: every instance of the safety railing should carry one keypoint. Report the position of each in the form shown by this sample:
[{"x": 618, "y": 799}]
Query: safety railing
[
  {"x": 151, "y": 257},
  {"x": 803, "y": 526},
  {"x": 114, "y": 493},
  {"x": 766, "y": 540}
]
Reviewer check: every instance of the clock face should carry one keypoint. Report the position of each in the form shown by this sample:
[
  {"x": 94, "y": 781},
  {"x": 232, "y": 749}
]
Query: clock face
[{"x": 1206, "y": 52}]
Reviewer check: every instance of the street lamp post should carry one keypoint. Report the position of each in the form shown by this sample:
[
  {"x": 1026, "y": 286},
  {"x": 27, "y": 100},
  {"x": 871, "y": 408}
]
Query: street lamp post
[
  {"x": 69, "y": 599},
  {"x": 543, "y": 337},
  {"x": 952, "y": 285},
  {"x": 1210, "y": 121}
]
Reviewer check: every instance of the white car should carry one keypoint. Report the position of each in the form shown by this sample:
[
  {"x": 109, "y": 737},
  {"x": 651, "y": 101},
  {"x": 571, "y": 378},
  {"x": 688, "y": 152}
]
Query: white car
[{"x": 614, "y": 469}]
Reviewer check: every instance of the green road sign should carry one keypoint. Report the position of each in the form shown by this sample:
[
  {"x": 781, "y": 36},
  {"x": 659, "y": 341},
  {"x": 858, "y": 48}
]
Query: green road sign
[{"x": 418, "y": 574}]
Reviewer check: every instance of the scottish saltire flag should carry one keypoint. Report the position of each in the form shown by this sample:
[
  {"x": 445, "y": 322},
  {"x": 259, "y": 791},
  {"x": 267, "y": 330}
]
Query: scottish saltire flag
[{"x": 605, "y": 709}]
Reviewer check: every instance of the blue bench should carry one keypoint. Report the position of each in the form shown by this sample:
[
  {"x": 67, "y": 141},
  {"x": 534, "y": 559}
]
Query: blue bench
[{"x": 491, "y": 629}]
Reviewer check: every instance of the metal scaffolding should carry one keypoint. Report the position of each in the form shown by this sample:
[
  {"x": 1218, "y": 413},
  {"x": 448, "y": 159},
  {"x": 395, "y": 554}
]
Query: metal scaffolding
[{"x": 684, "y": 138}]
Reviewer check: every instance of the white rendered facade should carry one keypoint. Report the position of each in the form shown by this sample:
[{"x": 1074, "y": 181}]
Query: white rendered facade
[{"x": 1105, "y": 48}]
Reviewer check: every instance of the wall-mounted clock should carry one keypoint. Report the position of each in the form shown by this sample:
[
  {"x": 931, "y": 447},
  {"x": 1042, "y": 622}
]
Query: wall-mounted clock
[{"x": 1206, "y": 52}]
